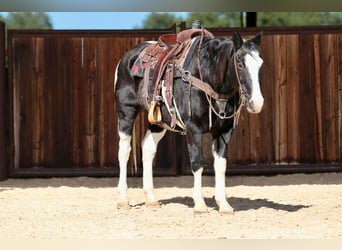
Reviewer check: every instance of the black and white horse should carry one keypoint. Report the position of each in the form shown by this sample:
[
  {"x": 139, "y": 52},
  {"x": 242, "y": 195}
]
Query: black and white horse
[{"x": 231, "y": 67}]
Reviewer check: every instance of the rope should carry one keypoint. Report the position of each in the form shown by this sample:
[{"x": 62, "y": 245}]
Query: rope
[{"x": 236, "y": 114}]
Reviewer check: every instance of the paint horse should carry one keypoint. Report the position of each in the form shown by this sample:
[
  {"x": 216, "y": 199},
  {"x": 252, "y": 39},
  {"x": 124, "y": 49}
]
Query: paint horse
[{"x": 211, "y": 80}]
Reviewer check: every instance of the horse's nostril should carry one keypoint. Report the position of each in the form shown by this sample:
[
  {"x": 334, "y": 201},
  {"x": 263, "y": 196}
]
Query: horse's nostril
[{"x": 251, "y": 105}]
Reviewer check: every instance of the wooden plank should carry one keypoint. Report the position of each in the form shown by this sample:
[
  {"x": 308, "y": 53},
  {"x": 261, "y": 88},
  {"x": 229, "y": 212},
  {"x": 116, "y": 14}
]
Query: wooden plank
[
  {"x": 339, "y": 96},
  {"x": 318, "y": 95},
  {"x": 38, "y": 107},
  {"x": 3, "y": 154},
  {"x": 308, "y": 117},
  {"x": 89, "y": 95},
  {"x": 239, "y": 147},
  {"x": 75, "y": 66},
  {"x": 265, "y": 146},
  {"x": 293, "y": 99},
  {"x": 280, "y": 91},
  {"x": 26, "y": 114},
  {"x": 13, "y": 68},
  {"x": 101, "y": 72},
  {"x": 115, "y": 56},
  {"x": 328, "y": 60}
]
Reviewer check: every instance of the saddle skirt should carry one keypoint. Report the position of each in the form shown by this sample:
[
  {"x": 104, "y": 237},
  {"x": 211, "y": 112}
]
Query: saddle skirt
[{"x": 159, "y": 64}]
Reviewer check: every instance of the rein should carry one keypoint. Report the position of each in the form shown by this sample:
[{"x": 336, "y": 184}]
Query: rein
[{"x": 211, "y": 93}]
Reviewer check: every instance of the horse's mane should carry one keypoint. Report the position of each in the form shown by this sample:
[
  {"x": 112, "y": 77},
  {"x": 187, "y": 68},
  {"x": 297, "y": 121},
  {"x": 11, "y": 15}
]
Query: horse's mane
[{"x": 215, "y": 55}]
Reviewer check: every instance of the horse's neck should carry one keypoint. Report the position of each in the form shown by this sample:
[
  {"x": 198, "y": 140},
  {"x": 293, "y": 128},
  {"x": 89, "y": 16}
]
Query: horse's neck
[{"x": 221, "y": 78}]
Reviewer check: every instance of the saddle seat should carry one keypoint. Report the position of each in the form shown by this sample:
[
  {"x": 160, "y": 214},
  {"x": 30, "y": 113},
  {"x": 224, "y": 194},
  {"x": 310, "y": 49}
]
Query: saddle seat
[{"x": 158, "y": 64}]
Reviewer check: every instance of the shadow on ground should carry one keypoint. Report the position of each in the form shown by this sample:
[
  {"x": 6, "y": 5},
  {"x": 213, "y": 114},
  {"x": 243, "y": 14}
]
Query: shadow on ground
[{"x": 238, "y": 204}]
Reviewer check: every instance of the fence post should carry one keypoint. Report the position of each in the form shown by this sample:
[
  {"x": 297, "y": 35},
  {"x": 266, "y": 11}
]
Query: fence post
[{"x": 3, "y": 154}]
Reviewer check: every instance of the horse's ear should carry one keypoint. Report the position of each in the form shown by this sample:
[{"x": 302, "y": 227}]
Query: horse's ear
[
  {"x": 237, "y": 40},
  {"x": 256, "y": 39}
]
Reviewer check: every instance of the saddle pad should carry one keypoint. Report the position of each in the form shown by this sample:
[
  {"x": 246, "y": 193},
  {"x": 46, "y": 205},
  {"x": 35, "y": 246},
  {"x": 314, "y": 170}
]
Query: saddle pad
[{"x": 139, "y": 67}]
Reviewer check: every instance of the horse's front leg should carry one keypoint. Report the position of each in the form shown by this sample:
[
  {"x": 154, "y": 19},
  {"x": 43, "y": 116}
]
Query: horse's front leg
[
  {"x": 194, "y": 142},
  {"x": 149, "y": 149},
  {"x": 219, "y": 148}
]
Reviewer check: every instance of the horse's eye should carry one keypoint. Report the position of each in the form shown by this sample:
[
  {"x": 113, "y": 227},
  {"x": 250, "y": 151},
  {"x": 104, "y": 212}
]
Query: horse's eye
[{"x": 241, "y": 65}]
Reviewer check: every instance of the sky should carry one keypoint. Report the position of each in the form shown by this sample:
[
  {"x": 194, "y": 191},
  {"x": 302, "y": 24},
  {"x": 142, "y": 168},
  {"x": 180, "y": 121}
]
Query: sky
[{"x": 97, "y": 20}]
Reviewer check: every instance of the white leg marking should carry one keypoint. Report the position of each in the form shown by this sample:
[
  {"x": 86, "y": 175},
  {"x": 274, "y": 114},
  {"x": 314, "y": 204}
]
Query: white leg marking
[
  {"x": 220, "y": 184},
  {"x": 253, "y": 64},
  {"x": 200, "y": 206},
  {"x": 149, "y": 149},
  {"x": 124, "y": 150}
]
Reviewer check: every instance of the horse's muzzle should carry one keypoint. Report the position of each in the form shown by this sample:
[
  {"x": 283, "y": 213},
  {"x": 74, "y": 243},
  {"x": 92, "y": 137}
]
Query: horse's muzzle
[{"x": 255, "y": 106}]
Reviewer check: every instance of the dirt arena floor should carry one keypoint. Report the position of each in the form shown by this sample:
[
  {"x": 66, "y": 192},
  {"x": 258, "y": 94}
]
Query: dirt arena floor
[{"x": 296, "y": 206}]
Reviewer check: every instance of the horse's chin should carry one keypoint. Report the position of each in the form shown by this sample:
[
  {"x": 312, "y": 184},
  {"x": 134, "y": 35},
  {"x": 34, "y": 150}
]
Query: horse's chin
[{"x": 252, "y": 111}]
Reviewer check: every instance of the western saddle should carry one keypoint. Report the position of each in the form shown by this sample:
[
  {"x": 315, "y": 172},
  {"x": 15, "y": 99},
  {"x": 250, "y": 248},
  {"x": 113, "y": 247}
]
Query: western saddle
[{"x": 159, "y": 64}]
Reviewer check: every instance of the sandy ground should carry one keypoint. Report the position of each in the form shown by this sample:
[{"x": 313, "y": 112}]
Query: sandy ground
[{"x": 285, "y": 206}]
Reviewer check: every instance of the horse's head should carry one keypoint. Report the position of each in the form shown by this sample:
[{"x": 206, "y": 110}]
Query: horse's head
[{"x": 248, "y": 64}]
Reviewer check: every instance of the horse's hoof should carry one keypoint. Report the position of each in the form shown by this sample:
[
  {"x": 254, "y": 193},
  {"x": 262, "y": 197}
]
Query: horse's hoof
[
  {"x": 226, "y": 210},
  {"x": 202, "y": 210},
  {"x": 123, "y": 205},
  {"x": 153, "y": 205}
]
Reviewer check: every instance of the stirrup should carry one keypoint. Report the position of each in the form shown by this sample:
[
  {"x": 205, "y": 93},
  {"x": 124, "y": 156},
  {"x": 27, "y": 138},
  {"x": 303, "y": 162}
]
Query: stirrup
[{"x": 154, "y": 114}]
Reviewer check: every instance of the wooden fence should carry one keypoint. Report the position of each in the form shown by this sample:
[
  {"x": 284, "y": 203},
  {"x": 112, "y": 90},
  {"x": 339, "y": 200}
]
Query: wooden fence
[{"x": 62, "y": 119}]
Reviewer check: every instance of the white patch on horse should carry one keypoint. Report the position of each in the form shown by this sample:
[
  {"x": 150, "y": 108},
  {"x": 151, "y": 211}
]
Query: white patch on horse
[
  {"x": 253, "y": 63},
  {"x": 116, "y": 74},
  {"x": 200, "y": 205},
  {"x": 124, "y": 151},
  {"x": 149, "y": 149},
  {"x": 220, "y": 174},
  {"x": 220, "y": 165}
]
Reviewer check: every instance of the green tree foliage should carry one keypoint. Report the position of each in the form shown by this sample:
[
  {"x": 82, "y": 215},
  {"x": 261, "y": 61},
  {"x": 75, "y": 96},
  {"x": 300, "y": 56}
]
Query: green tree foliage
[
  {"x": 215, "y": 19},
  {"x": 298, "y": 18},
  {"x": 160, "y": 20},
  {"x": 27, "y": 20},
  {"x": 236, "y": 19}
]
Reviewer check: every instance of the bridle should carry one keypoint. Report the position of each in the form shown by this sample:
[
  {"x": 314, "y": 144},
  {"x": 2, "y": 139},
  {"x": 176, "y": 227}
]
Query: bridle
[{"x": 211, "y": 93}]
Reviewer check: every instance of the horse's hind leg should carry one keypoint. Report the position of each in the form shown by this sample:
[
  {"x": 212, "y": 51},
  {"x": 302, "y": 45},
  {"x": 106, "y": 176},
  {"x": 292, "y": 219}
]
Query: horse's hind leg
[
  {"x": 125, "y": 127},
  {"x": 124, "y": 151},
  {"x": 149, "y": 149}
]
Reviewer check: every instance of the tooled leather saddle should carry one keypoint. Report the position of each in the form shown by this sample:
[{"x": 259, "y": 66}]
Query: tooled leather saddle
[{"x": 159, "y": 64}]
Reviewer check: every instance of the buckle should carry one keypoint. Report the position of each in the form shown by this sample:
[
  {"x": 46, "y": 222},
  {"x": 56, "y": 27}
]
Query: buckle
[{"x": 186, "y": 75}]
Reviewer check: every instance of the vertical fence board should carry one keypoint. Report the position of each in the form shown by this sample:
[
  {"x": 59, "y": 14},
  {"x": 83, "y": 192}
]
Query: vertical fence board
[
  {"x": 75, "y": 73},
  {"x": 329, "y": 117},
  {"x": 308, "y": 115},
  {"x": 26, "y": 112},
  {"x": 102, "y": 79},
  {"x": 266, "y": 152},
  {"x": 293, "y": 99},
  {"x": 280, "y": 91},
  {"x": 38, "y": 90},
  {"x": 3, "y": 158},
  {"x": 318, "y": 95},
  {"x": 89, "y": 108},
  {"x": 339, "y": 95}
]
